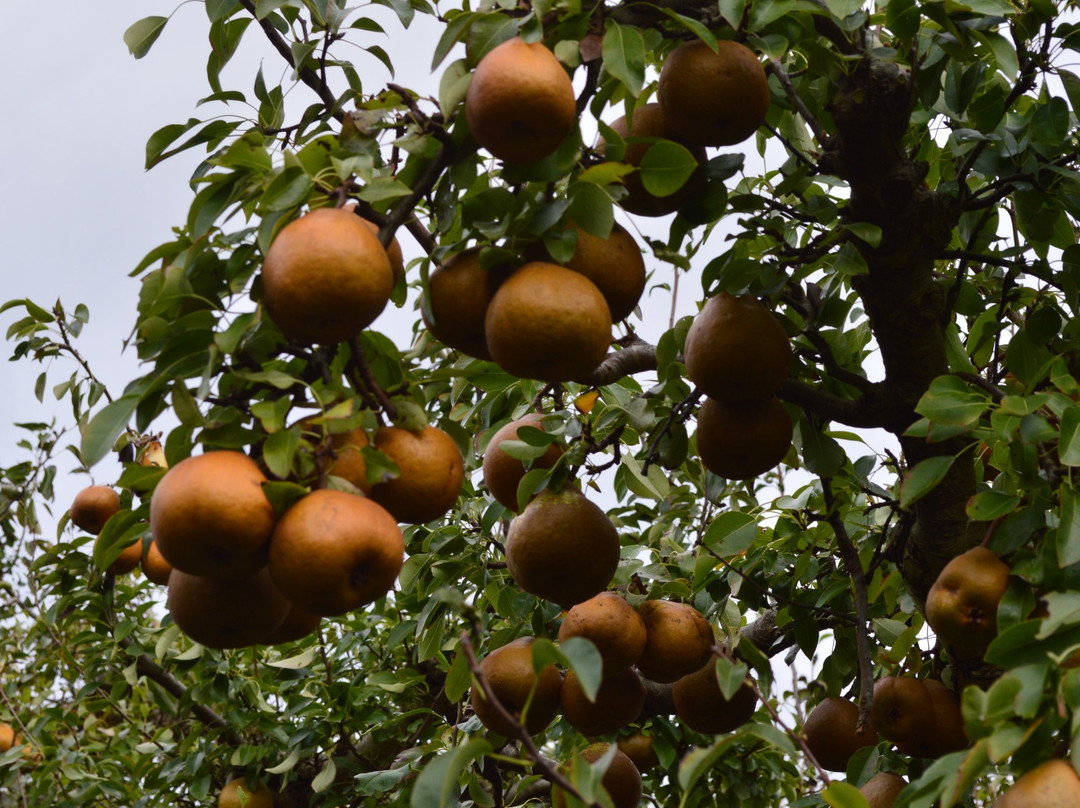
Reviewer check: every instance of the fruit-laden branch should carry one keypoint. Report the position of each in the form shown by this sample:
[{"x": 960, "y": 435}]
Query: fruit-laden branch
[{"x": 547, "y": 769}]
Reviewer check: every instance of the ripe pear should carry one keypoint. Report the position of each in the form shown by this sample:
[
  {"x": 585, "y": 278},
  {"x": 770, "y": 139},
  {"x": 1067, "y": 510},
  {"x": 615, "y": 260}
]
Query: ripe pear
[
  {"x": 93, "y": 506},
  {"x": 226, "y": 613},
  {"x": 962, "y": 604},
  {"x": 639, "y": 748},
  {"x": 882, "y": 789},
  {"x": 678, "y": 640},
  {"x": 503, "y": 473},
  {"x": 1053, "y": 784},
  {"x": 921, "y": 716},
  {"x": 209, "y": 516},
  {"x": 520, "y": 103},
  {"x": 621, "y": 780},
  {"x": 830, "y": 731},
  {"x": 326, "y": 277},
  {"x": 736, "y": 350},
  {"x": 713, "y": 97},
  {"x": 509, "y": 671},
  {"x": 333, "y": 552},
  {"x": 700, "y": 704},
  {"x": 432, "y": 471},
  {"x": 612, "y": 625},
  {"x": 7, "y": 737},
  {"x": 562, "y": 547},
  {"x": 619, "y": 700}
]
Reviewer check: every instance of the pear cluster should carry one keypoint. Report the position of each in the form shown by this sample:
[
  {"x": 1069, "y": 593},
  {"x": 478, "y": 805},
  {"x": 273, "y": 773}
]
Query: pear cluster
[
  {"x": 243, "y": 576},
  {"x": 738, "y": 354}
]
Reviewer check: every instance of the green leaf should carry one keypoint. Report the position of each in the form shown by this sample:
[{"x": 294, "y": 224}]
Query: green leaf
[
  {"x": 586, "y": 662},
  {"x": 592, "y": 209},
  {"x": 624, "y": 55},
  {"x": 119, "y": 532},
  {"x": 731, "y": 533},
  {"x": 325, "y": 778},
  {"x": 458, "y": 678},
  {"x": 950, "y": 402},
  {"x": 1068, "y": 532},
  {"x": 105, "y": 427},
  {"x": 141, "y": 36},
  {"x": 987, "y": 506},
  {"x": 696, "y": 27},
  {"x": 666, "y": 167},
  {"x": 437, "y": 785},
  {"x": 844, "y": 795},
  {"x": 279, "y": 449},
  {"x": 921, "y": 480},
  {"x": 453, "y": 33},
  {"x": 1069, "y": 442}
]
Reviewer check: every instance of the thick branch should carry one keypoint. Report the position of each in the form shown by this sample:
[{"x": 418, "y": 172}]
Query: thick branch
[
  {"x": 636, "y": 356},
  {"x": 145, "y": 666}
]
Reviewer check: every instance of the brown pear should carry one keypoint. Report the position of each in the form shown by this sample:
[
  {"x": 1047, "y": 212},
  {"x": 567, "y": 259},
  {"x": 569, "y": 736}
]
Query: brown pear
[
  {"x": 961, "y": 606},
  {"x": 231, "y": 613},
  {"x": 562, "y": 547},
  {"x": 509, "y": 671},
  {"x": 619, "y": 700},
  {"x": 639, "y": 748},
  {"x": 882, "y": 789},
  {"x": 621, "y": 780},
  {"x": 831, "y": 736},
  {"x": 678, "y": 640},
  {"x": 700, "y": 703},
  {"x": 1053, "y": 784},
  {"x": 503, "y": 473},
  {"x": 903, "y": 710},
  {"x": 612, "y": 625}
]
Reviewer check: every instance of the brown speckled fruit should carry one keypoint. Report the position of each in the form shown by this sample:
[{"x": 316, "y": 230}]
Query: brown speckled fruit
[
  {"x": 621, "y": 780},
  {"x": 1053, "y": 784},
  {"x": 962, "y": 605},
  {"x": 458, "y": 294},
  {"x": 520, "y": 103},
  {"x": 333, "y": 552},
  {"x": 700, "y": 704},
  {"x": 548, "y": 322},
  {"x": 503, "y": 473},
  {"x": 209, "y": 515},
  {"x": 562, "y": 547},
  {"x": 736, "y": 350},
  {"x": 231, "y": 613},
  {"x": 618, "y": 702},
  {"x": 743, "y": 439},
  {"x": 713, "y": 98},
  {"x": 613, "y": 626},
  {"x": 326, "y": 277},
  {"x": 830, "y": 733},
  {"x": 678, "y": 640},
  {"x": 647, "y": 124},
  {"x": 639, "y": 748},
  {"x": 882, "y": 789},
  {"x": 432, "y": 472},
  {"x": 509, "y": 672},
  {"x": 239, "y": 793},
  {"x": 155, "y": 567},
  {"x": 93, "y": 506}
]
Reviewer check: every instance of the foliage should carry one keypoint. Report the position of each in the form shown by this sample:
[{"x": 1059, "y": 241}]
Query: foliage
[{"x": 915, "y": 203}]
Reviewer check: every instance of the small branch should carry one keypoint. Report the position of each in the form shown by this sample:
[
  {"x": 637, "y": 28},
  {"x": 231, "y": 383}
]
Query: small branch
[
  {"x": 680, "y": 411},
  {"x": 636, "y": 356},
  {"x": 67, "y": 346},
  {"x": 777, "y": 69},
  {"x": 974, "y": 378},
  {"x": 850, "y": 555},
  {"x": 360, "y": 365},
  {"x": 402, "y": 212},
  {"x": 829, "y": 407},
  {"x": 306, "y": 74},
  {"x": 145, "y": 666}
]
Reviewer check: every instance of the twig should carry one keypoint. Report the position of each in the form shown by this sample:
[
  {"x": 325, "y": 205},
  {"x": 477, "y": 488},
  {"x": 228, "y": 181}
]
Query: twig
[
  {"x": 850, "y": 556},
  {"x": 359, "y": 363},
  {"x": 777, "y": 69},
  {"x": 684, "y": 406},
  {"x": 67, "y": 346}
]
